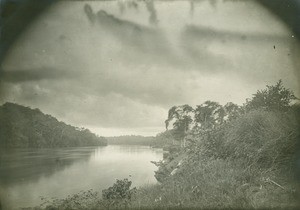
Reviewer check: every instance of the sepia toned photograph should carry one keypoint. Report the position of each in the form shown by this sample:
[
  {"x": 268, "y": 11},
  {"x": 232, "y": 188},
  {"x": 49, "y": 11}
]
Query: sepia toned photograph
[{"x": 149, "y": 104}]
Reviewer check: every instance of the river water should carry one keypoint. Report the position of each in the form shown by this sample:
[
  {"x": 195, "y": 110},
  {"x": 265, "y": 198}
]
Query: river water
[{"x": 28, "y": 174}]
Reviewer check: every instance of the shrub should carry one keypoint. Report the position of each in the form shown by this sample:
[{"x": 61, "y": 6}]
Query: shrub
[
  {"x": 263, "y": 138},
  {"x": 273, "y": 98},
  {"x": 119, "y": 195}
]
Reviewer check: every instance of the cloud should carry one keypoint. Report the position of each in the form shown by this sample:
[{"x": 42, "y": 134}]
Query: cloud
[
  {"x": 152, "y": 12},
  {"x": 207, "y": 33},
  {"x": 67, "y": 104},
  {"x": 130, "y": 33},
  {"x": 29, "y": 75},
  {"x": 89, "y": 66},
  {"x": 89, "y": 13},
  {"x": 196, "y": 42}
]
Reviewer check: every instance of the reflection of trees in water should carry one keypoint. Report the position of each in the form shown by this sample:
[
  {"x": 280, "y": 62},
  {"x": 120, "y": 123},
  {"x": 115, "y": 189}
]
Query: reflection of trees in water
[{"x": 28, "y": 165}]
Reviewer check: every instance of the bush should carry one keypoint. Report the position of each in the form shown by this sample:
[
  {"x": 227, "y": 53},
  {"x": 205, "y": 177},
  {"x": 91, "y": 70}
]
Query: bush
[
  {"x": 246, "y": 163},
  {"x": 216, "y": 184},
  {"x": 258, "y": 137},
  {"x": 119, "y": 195},
  {"x": 273, "y": 98},
  {"x": 263, "y": 138}
]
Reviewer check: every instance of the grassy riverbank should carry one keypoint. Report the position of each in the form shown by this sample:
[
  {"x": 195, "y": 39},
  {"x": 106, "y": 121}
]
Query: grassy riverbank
[
  {"x": 249, "y": 163},
  {"x": 245, "y": 158}
]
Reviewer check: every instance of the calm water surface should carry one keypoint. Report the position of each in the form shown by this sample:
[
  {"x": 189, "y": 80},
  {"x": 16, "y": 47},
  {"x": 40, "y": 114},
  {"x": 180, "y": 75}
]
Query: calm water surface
[{"x": 28, "y": 174}]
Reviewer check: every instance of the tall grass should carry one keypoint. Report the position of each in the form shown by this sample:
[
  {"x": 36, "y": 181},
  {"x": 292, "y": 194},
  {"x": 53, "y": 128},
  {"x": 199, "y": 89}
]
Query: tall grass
[{"x": 247, "y": 163}]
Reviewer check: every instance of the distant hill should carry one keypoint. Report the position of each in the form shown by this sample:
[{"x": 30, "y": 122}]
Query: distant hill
[
  {"x": 23, "y": 127},
  {"x": 132, "y": 140}
]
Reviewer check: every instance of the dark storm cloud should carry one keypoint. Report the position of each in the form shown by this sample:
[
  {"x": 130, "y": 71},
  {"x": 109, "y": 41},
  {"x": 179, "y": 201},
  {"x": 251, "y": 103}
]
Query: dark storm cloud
[
  {"x": 28, "y": 75},
  {"x": 130, "y": 33},
  {"x": 133, "y": 34},
  {"x": 206, "y": 34},
  {"x": 152, "y": 12},
  {"x": 121, "y": 5},
  {"x": 133, "y": 5},
  {"x": 89, "y": 13},
  {"x": 197, "y": 39},
  {"x": 154, "y": 47}
]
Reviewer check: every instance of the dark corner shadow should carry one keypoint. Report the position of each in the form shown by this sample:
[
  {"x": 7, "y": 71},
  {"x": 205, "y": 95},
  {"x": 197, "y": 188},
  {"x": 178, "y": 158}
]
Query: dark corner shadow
[
  {"x": 15, "y": 16},
  {"x": 287, "y": 11}
]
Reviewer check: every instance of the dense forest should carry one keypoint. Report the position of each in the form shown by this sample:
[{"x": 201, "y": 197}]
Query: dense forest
[
  {"x": 161, "y": 140},
  {"x": 23, "y": 127},
  {"x": 218, "y": 157}
]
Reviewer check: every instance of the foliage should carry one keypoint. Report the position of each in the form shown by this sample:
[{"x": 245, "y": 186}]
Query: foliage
[
  {"x": 245, "y": 163},
  {"x": 259, "y": 137},
  {"x": 183, "y": 119},
  {"x": 209, "y": 114},
  {"x": 237, "y": 157},
  {"x": 165, "y": 139},
  {"x": 206, "y": 116},
  {"x": 25, "y": 127},
  {"x": 119, "y": 195},
  {"x": 218, "y": 184},
  {"x": 273, "y": 98},
  {"x": 232, "y": 111}
]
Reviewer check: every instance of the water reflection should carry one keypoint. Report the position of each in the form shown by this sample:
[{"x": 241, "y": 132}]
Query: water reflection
[
  {"x": 27, "y": 174},
  {"x": 27, "y": 165}
]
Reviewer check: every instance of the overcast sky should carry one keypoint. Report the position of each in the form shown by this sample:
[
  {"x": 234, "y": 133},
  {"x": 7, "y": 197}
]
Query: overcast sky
[{"x": 116, "y": 67}]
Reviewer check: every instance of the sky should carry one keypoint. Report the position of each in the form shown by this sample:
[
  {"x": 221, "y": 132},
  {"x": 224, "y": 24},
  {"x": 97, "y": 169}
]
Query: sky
[{"x": 116, "y": 67}]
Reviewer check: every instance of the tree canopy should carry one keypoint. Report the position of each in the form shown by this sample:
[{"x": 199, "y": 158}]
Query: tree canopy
[
  {"x": 211, "y": 114},
  {"x": 273, "y": 98},
  {"x": 25, "y": 127}
]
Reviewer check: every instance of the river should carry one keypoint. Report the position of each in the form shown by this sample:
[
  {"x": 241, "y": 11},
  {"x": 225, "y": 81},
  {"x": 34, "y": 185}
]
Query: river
[{"x": 28, "y": 174}]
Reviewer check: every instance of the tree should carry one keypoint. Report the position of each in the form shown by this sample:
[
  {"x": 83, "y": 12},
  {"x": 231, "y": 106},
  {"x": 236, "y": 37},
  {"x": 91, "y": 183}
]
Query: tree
[
  {"x": 273, "y": 98},
  {"x": 209, "y": 114},
  {"x": 183, "y": 119},
  {"x": 232, "y": 110}
]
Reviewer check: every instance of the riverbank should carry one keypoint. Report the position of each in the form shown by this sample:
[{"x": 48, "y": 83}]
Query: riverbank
[
  {"x": 232, "y": 156},
  {"x": 31, "y": 176},
  {"x": 248, "y": 163},
  {"x": 223, "y": 168}
]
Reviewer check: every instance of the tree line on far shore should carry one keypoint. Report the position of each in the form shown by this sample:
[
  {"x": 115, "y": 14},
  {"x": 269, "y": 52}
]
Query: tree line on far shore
[{"x": 23, "y": 127}]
